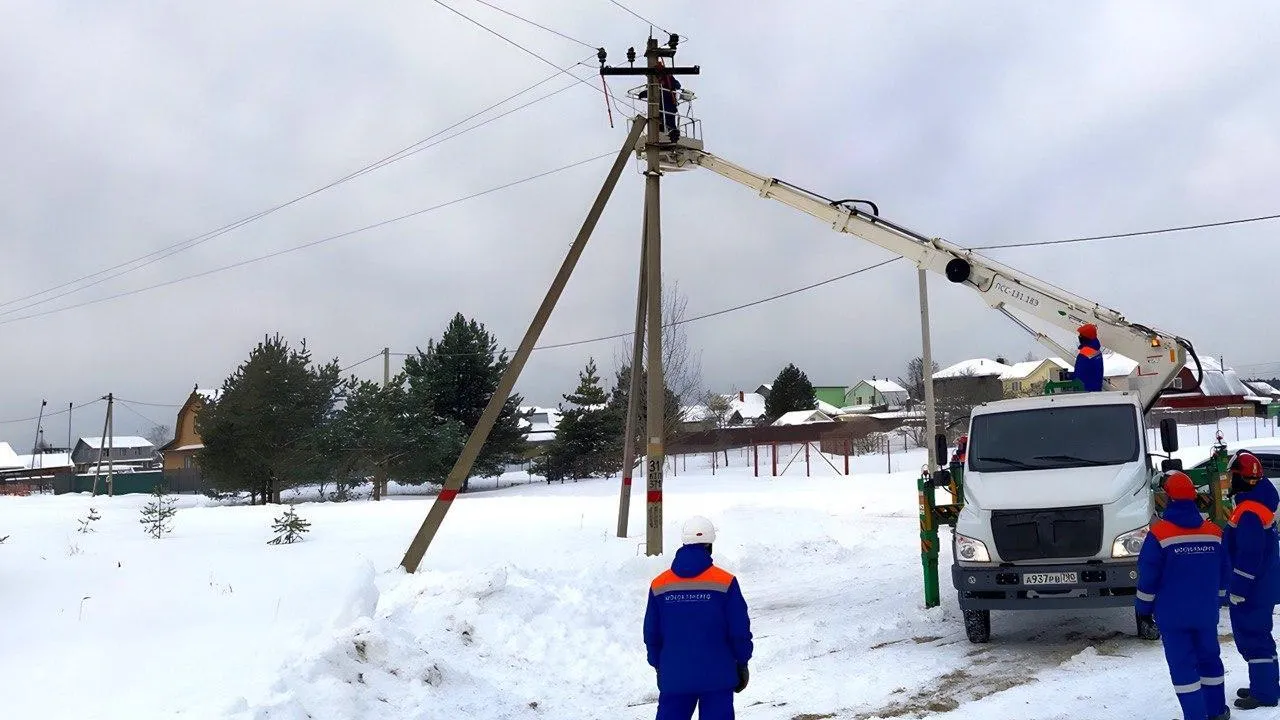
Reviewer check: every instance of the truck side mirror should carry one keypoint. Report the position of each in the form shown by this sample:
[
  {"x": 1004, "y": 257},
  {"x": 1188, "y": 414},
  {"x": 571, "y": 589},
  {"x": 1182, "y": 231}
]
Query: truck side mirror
[
  {"x": 940, "y": 449},
  {"x": 1170, "y": 464},
  {"x": 1169, "y": 435}
]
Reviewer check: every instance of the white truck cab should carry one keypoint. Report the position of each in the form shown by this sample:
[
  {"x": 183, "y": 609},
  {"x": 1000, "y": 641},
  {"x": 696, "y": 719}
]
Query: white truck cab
[{"x": 1056, "y": 505}]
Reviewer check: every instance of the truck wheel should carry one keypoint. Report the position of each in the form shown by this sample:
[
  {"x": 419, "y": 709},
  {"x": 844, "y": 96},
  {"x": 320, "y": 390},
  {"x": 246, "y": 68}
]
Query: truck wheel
[
  {"x": 1147, "y": 630},
  {"x": 977, "y": 625}
]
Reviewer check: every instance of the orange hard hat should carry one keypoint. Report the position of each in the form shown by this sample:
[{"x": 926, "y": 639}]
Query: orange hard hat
[
  {"x": 1089, "y": 330},
  {"x": 1178, "y": 486}
]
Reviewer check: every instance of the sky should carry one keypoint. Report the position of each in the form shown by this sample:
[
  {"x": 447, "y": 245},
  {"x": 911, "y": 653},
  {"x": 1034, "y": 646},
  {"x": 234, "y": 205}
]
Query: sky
[{"x": 131, "y": 127}]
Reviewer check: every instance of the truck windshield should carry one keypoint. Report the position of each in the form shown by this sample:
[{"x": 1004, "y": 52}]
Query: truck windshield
[{"x": 1051, "y": 438}]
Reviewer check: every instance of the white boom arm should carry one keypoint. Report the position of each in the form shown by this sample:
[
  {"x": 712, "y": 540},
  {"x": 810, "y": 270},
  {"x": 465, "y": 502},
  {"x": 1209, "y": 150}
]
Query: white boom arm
[{"x": 1160, "y": 356}]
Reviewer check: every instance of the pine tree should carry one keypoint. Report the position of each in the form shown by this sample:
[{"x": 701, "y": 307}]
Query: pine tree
[
  {"x": 289, "y": 528},
  {"x": 618, "y": 409},
  {"x": 791, "y": 391},
  {"x": 449, "y": 386},
  {"x": 157, "y": 515},
  {"x": 586, "y": 438},
  {"x": 371, "y": 434},
  {"x": 266, "y": 431},
  {"x": 86, "y": 523}
]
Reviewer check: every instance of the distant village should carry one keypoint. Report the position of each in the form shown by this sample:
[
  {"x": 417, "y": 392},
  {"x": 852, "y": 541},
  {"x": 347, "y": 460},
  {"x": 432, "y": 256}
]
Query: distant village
[{"x": 842, "y": 416}]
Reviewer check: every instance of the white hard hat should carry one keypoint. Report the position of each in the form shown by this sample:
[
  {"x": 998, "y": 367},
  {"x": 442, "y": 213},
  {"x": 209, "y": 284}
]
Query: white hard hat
[{"x": 697, "y": 530}]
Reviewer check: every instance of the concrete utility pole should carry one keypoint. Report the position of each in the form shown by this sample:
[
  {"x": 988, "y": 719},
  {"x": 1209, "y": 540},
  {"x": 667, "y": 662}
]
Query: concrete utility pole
[
  {"x": 462, "y": 468},
  {"x": 655, "y": 392},
  {"x": 102, "y": 445},
  {"x": 633, "y": 404},
  {"x": 386, "y": 366}
]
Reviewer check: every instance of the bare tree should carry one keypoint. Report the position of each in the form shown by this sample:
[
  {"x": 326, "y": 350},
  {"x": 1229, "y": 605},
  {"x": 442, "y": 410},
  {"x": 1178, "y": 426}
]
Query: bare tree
[
  {"x": 681, "y": 365},
  {"x": 160, "y": 434},
  {"x": 914, "y": 380},
  {"x": 718, "y": 409}
]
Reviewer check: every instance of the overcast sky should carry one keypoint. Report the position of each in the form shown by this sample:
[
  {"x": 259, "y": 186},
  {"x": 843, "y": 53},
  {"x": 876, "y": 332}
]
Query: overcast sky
[{"x": 131, "y": 126}]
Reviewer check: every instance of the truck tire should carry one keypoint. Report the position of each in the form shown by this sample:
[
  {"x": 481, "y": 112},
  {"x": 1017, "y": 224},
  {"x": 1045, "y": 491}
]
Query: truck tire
[
  {"x": 1147, "y": 630},
  {"x": 977, "y": 625}
]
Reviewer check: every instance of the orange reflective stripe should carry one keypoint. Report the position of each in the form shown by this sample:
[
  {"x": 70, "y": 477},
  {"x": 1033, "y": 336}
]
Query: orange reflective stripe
[
  {"x": 1088, "y": 351},
  {"x": 713, "y": 578},
  {"x": 1170, "y": 534},
  {"x": 1266, "y": 516}
]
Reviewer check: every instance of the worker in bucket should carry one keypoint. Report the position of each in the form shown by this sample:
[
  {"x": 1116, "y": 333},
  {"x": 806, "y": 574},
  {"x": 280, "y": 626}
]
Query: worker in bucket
[
  {"x": 1182, "y": 572},
  {"x": 697, "y": 631},
  {"x": 669, "y": 88},
  {"x": 1251, "y": 541},
  {"x": 1088, "y": 368}
]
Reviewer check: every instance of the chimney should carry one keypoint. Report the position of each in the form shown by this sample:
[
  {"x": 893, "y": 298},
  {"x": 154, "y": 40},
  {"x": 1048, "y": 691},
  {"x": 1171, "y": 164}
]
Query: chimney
[{"x": 742, "y": 397}]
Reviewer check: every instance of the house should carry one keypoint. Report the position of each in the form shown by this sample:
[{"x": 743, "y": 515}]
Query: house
[
  {"x": 803, "y": 417},
  {"x": 876, "y": 392},
  {"x": 1263, "y": 389},
  {"x": 1219, "y": 388},
  {"x": 1028, "y": 378},
  {"x": 764, "y": 390},
  {"x": 831, "y": 394},
  {"x": 539, "y": 424},
  {"x": 47, "y": 463},
  {"x": 746, "y": 408},
  {"x": 8, "y": 458},
  {"x": 970, "y": 382},
  {"x": 828, "y": 409},
  {"x": 119, "y": 450},
  {"x": 180, "y": 452}
]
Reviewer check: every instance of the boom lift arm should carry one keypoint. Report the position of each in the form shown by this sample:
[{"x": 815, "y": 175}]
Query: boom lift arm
[{"x": 1160, "y": 356}]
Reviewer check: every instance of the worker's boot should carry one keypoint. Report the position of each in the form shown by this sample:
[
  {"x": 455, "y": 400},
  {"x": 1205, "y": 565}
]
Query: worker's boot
[{"x": 1226, "y": 715}]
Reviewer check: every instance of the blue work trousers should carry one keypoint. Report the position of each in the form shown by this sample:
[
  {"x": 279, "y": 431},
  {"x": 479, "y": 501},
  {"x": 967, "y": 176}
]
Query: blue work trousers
[
  {"x": 1195, "y": 666},
  {"x": 711, "y": 706}
]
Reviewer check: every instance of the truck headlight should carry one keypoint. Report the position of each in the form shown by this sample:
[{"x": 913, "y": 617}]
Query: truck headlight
[
  {"x": 971, "y": 550},
  {"x": 1129, "y": 544}
]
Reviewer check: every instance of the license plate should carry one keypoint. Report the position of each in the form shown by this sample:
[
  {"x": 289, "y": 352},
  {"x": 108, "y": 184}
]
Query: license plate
[{"x": 1058, "y": 578}]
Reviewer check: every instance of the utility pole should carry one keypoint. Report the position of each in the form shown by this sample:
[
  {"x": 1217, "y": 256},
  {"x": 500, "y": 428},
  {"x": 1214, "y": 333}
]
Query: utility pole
[
  {"x": 655, "y": 412},
  {"x": 462, "y": 468},
  {"x": 633, "y": 394},
  {"x": 102, "y": 444},
  {"x": 70, "y": 407},
  {"x": 35, "y": 446},
  {"x": 111, "y": 445},
  {"x": 386, "y": 366}
]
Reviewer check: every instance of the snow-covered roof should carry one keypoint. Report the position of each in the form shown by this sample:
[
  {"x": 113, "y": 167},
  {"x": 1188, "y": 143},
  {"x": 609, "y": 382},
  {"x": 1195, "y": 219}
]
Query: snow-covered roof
[
  {"x": 978, "y": 367},
  {"x": 198, "y": 446},
  {"x": 885, "y": 387},
  {"x": 750, "y": 407},
  {"x": 1218, "y": 381},
  {"x": 1263, "y": 388},
  {"x": 1116, "y": 365},
  {"x": 8, "y": 458},
  {"x": 828, "y": 409},
  {"x": 541, "y": 423},
  {"x": 694, "y": 413},
  {"x": 1022, "y": 370},
  {"x": 802, "y": 417},
  {"x": 118, "y": 441},
  {"x": 45, "y": 460}
]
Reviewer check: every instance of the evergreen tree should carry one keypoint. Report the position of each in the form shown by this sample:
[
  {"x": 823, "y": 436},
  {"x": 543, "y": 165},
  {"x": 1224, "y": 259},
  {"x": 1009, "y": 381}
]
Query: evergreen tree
[
  {"x": 157, "y": 515},
  {"x": 449, "y": 386},
  {"x": 791, "y": 391},
  {"x": 586, "y": 438},
  {"x": 289, "y": 528},
  {"x": 371, "y": 433},
  {"x": 266, "y": 431},
  {"x": 618, "y": 409},
  {"x": 86, "y": 523}
]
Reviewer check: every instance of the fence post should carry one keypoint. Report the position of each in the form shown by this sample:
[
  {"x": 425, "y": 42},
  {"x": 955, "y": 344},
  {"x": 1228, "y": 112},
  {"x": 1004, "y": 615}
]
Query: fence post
[
  {"x": 755, "y": 458},
  {"x": 774, "y": 456},
  {"x": 847, "y": 443},
  {"x": 806, "y": 458},
  {"x": 888, "y": 456}
]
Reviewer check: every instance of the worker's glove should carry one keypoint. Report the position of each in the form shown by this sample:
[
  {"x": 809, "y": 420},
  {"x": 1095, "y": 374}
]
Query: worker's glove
[
  {"x": 743, "y": 677},
  {"x": 1146, "y": 619},
  {"x": 1236, "y": 599}
]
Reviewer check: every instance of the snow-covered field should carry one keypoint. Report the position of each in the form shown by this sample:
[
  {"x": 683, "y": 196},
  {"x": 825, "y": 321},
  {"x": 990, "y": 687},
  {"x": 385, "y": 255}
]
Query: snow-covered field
[{"x": 527, "y": 606}]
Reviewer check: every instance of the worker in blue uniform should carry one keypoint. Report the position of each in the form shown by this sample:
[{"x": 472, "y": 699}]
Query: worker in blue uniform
[
  {"x": 1089, "y": 366},
  {"x": 697, "y": 632},
  {"x": 1254, "y": 546},
  {"x": 1182, "y": 573}
]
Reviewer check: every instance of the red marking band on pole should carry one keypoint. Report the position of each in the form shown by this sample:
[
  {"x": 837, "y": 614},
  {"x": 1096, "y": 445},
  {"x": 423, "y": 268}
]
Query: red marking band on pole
[
  {"x": 448, "y": 495},
  {"x": 655, "y": 496},
  {"x": 626, "y": 481}
]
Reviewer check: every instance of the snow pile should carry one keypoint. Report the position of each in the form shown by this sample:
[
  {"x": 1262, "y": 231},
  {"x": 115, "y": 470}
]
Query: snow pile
[{"x": 528, "y": 606}]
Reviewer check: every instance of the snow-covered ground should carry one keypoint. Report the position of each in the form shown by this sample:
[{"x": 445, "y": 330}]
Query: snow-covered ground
[{"x": 527, "y": 606}]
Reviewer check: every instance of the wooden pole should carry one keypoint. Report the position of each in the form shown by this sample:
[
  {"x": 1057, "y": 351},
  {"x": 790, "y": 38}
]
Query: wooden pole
[
  {"x": 655, "y": 396},
  {"x": 755, "y": 455},
  {"x": 102, "y": 444},
  {"x": 462, "y": 468},
  {"x": 806, "y": 458}
]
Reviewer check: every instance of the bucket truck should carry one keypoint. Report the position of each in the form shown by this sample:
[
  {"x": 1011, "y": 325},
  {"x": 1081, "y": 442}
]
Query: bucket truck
[{"x": 1053, "y": 495}]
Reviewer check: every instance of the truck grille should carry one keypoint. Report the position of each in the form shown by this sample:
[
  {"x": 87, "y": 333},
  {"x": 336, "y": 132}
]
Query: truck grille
[{"x": 1045, "y": 534}]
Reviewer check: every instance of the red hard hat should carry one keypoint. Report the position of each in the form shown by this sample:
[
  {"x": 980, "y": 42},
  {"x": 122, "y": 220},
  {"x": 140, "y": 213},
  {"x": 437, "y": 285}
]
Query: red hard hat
[
  {"x": 1178, "y": 486},
  {"x": 1089, "y": 330},
  {"x": 1246, "y": 465}
]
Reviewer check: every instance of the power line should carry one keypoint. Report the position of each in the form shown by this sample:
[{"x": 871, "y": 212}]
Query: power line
[
  {"x": 1180, "y": 228},
  {"x": 641, "y": 17},
  {"x": 406, "y": 152},
  {"x": 544, "y": 27},
  {"x": 356, "y": 365},
  {"x": 191, "y": 245},
  {"x": 52, "y": 413},
  {"x": 149, "y": 404},
  {"x": 313, "y": 243},
  {"x": 126, "y": 406}
]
